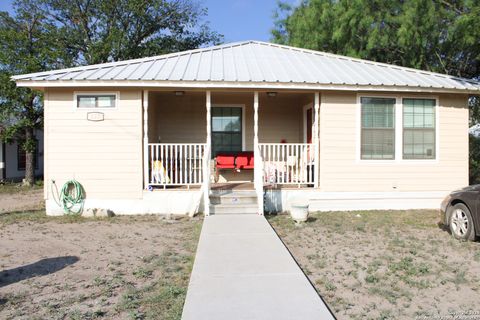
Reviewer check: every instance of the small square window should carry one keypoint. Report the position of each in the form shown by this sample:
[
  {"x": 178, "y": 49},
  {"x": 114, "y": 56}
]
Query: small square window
[{"x": 96, "y": 101}]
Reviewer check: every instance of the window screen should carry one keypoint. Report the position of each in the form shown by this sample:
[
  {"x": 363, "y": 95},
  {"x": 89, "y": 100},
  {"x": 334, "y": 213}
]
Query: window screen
[
  {"x": 96, "y": 101},
  {"x": 418, "y": 129},
  {"x": 378, "y": 128}
]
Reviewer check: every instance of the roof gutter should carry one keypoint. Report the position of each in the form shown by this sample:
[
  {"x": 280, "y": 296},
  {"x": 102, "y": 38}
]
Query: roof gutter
[{"x": 235, "y": 85}]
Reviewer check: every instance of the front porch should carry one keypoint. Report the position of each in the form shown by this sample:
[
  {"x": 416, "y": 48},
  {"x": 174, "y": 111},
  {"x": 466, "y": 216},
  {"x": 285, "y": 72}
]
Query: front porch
[{"x": 211, "y": 140}]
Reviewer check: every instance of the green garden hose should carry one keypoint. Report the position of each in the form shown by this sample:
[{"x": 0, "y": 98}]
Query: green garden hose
[{"x": 71, "y": 197}]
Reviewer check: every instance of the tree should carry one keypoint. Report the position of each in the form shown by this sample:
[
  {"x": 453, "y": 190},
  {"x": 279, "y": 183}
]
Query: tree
[
  {"x": 111, "y": 30},
  {"x": 440, "y": 36},
  {"x": 50, "y": 34},
  {"x": 27, "y": 46}
]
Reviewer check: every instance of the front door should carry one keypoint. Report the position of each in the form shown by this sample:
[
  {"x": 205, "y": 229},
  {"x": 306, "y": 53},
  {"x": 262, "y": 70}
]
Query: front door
[
  {"x": 226, "y": 129},
  {"x": 309, "y": 125}
]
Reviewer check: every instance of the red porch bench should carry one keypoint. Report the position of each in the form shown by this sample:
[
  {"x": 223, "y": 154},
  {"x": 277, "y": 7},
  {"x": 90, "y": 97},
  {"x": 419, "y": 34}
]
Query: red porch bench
[
  {"x": 235, "y": 161},
  {"x": 239, "y": 160}
]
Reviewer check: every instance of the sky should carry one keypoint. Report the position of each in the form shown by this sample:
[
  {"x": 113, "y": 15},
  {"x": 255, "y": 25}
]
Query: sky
[{"x": 237, "y": 20}]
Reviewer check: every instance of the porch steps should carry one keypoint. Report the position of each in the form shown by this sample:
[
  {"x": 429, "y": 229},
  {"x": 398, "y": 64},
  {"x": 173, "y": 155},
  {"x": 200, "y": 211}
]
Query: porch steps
[{"x": 233, "y": 202}]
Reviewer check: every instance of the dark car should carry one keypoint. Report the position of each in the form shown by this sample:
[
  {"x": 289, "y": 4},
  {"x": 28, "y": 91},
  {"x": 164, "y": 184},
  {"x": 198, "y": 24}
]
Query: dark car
[{"x": 460, "y": 211}]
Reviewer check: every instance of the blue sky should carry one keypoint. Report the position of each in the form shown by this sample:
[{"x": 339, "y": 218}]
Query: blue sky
[{"x": 237, "y": 20}]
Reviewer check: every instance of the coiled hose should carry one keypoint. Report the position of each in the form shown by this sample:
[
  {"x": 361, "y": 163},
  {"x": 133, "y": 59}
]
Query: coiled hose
[{"x": 70, "y": 198}]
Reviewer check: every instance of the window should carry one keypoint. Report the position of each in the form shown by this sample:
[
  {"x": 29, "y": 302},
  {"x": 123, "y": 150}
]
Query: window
[
  {"x": 378, "y": 128},
  {"x": 22, "y": 157},
  {"x": 418, "y": 129},
  {"x": 96, "y": 101},
  {"x": 226, "y": 129}
]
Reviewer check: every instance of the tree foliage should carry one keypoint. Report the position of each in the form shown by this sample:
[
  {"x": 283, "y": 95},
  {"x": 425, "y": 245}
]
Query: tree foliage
[
  {"x": 27, "y": 45},
  {"x": 440, "y": 36},
  {"x": 42, "y": 35},
  {"x": 112, "y": 30},
  {"x": 474, "y": 159}
]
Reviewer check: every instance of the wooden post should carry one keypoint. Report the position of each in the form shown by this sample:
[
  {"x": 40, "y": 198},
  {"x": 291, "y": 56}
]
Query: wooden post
[
  {"x": 316, "y": 140},
  {"x": 258, "y": 161},
  {"x": 208, "y": 148},
  {"x": 145, "y": 139}
]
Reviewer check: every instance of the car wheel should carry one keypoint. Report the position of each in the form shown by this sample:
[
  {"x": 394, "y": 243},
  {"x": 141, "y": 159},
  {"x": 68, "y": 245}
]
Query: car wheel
[{"x": 461, "y": 222}]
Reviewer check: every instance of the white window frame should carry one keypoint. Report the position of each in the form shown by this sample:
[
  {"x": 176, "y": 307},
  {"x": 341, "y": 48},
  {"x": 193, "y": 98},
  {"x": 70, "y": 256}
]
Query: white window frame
[
  {"x": 77, "y": 94},
  {"x": 398, "y": 130},
  {"x": 220, "y": 105}
]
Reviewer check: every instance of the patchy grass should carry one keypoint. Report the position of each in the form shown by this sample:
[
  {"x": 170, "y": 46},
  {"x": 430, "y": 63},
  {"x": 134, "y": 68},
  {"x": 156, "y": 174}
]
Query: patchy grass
[
  {"x": 15, "y": 197},
  {"x": 120, "y": 268},
  {"x": 40, "y": 217},
  {"x": 164, "y": 296},
  {"x": 14, "y": 188},
  {"x": 37, "y": 216},
  {"x": 384, "y": 264}
]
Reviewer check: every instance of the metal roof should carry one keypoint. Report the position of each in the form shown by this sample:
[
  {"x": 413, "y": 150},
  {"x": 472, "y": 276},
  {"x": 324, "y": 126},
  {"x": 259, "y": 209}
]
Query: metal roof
[{"x": 252, "y": 62}]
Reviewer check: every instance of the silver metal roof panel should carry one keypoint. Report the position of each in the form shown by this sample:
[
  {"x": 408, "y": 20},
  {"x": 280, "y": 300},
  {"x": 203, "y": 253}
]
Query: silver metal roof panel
[{"x": 255, "y": 61}]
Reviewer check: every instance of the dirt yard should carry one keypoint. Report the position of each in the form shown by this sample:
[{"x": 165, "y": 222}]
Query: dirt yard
[
  {"x": 386, "y": 265},
  {"x": 14, "y": 197},
  {"x": 73, "y": 268}
]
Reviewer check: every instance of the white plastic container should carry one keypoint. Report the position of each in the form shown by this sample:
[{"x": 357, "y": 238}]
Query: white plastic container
[{"x": 299, "y": 212}]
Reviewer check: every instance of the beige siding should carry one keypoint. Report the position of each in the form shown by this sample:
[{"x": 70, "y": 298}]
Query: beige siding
[
  {"x": 177, "y": 119},
  {"x": 281, "y": 118},
  {"x": 341, "y": 170},
  {"x": 105, "y": 156}
]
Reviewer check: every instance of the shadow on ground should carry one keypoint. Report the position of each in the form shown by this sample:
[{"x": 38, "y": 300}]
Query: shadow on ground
[{"x": 39, "y": 268}]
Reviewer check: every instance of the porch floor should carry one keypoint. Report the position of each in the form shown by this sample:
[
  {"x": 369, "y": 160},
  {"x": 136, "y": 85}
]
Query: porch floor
[
  {"x": 243, "y": 271},
  {"x": 235, "y": 186}
]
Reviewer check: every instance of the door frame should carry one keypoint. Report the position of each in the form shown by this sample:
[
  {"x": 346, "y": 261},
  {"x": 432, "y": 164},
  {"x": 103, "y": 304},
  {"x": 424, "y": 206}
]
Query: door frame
[
  {"x": 233, "y": 105},
  {"x": 305, "y": 109}
]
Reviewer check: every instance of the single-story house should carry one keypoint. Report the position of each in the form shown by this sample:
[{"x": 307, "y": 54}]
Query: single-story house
[
  {"x": 254, "y": 127},
  {"x": 12, "y": 159}
]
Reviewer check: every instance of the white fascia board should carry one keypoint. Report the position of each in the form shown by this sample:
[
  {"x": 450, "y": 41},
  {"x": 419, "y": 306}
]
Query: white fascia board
[{"x": 234, "y": 85}]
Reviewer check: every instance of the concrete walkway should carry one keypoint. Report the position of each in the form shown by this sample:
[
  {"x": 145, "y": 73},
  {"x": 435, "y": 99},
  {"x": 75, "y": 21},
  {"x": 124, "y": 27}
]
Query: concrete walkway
[{"x": 243, "y": 271}]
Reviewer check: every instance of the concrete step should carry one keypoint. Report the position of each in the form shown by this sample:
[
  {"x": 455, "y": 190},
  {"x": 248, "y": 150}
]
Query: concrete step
[
  {"x": 239, "y": 193},
  {"x": 233, "y": 208},
  {"x": 236, "y": 198}
]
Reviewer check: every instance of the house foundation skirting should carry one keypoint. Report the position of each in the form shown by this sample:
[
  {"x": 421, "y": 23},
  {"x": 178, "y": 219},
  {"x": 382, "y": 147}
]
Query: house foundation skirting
[
  {"x": 156, "y": 202},
  {"x": 281, "y": 200},
  {"x": 183, "y": 202}
]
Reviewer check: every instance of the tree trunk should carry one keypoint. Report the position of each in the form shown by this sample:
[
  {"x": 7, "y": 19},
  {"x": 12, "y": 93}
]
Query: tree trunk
[{"x": 29, "y": 158}]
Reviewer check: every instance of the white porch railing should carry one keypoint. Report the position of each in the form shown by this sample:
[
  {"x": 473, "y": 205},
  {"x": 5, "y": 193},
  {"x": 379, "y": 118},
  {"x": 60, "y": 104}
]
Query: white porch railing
[
  {"x": 174, "y": 164},
  {"x": 287, "y": 163}
]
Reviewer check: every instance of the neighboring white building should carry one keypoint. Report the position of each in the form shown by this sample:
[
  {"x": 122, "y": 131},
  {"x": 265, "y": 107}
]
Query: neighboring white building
[{"x": 12, "y": 159}]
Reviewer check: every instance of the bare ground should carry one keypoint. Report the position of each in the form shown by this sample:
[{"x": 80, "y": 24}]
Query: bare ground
[
  {"x": 14, "y": 197},
  {"x": 73, "y": 268},
  {"x": 386, "y": 265}
]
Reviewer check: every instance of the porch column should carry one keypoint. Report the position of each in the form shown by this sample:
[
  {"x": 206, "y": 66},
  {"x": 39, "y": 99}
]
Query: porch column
[
  {"x": 258, "y": 161},
  {"x": 145, "y": 139},
  {"x": 316, "y": 140},
  {"x": 208, "y": 151}
]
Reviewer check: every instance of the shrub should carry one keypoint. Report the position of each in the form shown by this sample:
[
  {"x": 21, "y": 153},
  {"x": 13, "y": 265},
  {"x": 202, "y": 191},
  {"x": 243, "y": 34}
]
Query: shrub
[{"x": 474, "y": 159}]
